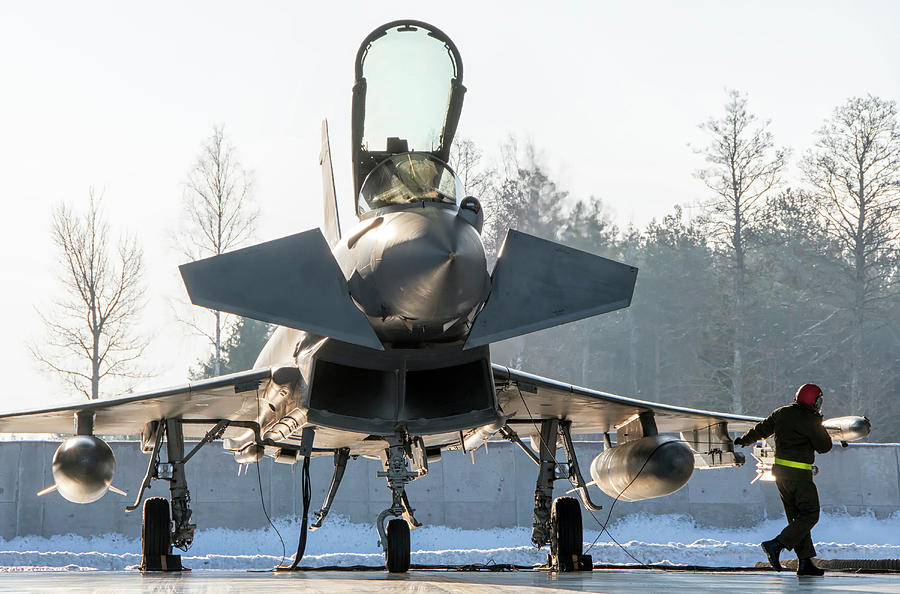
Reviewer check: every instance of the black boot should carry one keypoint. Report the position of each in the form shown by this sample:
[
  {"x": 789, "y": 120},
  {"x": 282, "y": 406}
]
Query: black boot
[
  {"x": 806, "y": 567},
  {"x": 773, "y": 549}
]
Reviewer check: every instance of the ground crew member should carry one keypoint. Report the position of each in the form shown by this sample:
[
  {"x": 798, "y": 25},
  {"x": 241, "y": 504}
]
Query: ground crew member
[{"x": 798, "y": 432}]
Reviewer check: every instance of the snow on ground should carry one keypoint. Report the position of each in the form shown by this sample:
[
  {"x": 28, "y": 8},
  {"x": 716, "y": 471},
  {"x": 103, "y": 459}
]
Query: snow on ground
[{"x": 667, "y": 539}]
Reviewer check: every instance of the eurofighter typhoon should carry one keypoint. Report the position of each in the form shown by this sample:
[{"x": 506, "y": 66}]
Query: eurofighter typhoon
[{"x": 383, "y": 343}]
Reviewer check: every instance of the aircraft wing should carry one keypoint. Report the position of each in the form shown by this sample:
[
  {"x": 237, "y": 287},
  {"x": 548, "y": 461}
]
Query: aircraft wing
[
  {"x": 231, "y": 397},
  {"x": 531, "y": 397}
]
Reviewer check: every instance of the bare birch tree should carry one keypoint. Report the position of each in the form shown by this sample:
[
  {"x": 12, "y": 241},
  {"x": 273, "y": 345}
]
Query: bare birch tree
[
  {"x": 743, "y": 165},
  {"x": 220, "y": 214},
  {"x": 465, "y": 159},
  {"x": 854, "y": 170},
  {"x": 90, "y": 333}
]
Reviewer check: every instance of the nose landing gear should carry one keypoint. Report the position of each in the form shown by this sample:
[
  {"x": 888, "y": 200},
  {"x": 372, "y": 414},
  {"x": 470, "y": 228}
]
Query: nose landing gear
[
  {"x": 396, "y": 553},
  {"x": 395, "y": 539}
]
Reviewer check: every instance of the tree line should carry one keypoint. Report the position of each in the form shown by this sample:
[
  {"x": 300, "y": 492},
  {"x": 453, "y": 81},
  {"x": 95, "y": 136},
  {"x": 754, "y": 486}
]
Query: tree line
[{"x": 773, "y": 282}]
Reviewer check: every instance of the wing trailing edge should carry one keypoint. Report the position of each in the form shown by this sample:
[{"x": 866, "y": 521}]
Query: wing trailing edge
[
  {"x": 293, "y": 281},
  {"x": 539, "y": 284}
]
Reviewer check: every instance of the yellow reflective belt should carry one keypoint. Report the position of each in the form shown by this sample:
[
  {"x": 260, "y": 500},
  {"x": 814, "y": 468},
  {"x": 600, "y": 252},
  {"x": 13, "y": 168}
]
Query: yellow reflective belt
[{"x": 792, "y": 464}]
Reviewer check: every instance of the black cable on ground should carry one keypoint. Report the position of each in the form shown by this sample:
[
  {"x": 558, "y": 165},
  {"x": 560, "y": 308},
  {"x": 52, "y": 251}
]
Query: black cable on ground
[
  {"x": 307, "y": 495},
  {"x": 502, "y": 567},
  {"x": 262, "y": 500}
]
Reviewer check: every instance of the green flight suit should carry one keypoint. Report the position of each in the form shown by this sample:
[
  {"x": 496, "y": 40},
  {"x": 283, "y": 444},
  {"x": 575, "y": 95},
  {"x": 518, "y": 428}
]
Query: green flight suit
[{"x": 798, "y": 433}]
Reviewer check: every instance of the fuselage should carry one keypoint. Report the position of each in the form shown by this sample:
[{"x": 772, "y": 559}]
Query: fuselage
[{"x": 419, "y": 273}]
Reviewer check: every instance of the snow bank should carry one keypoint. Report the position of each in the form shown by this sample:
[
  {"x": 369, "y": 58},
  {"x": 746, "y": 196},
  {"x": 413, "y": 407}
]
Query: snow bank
[{"x": 667, "y": 539}]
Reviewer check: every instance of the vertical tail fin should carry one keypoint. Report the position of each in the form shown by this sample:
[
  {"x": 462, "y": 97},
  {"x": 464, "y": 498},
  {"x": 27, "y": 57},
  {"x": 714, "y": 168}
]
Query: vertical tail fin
[{"x": 332, "y": 227}]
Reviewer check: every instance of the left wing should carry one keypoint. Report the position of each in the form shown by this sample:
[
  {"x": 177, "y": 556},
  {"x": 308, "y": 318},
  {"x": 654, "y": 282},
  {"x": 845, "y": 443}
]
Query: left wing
[
  {"x": 644, "y": 463},
  {"x": 233, "y": 397},
  {"x": 525, "y": 397}
]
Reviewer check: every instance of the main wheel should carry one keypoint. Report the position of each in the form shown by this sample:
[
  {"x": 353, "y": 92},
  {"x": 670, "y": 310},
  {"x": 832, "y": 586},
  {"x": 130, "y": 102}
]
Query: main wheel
[
  {"x": 397, "y": 553},
  {"x": 155, "y": 533},
  {"x": 565, "y": 533}
]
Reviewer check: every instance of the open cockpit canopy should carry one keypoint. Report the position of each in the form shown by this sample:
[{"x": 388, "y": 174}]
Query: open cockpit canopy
[{"x": 407, "y": 98}]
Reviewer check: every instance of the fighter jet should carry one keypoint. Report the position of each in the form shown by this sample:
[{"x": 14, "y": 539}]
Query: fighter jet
[{"x": 382, "y": 348}]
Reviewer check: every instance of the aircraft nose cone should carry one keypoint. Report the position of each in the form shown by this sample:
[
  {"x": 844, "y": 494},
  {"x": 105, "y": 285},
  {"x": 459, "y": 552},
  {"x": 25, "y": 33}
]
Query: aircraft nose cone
[{"x": 428, "y": 269}]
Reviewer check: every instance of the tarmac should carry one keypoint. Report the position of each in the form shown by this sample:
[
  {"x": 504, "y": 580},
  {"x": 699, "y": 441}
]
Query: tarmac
[{"x": 418, "y": 581}]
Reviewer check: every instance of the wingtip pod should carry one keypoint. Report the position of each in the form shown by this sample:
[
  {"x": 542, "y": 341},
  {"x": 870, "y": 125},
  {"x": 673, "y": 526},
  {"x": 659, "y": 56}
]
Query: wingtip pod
[
  {"x": 845, "y": 429},
  {"x": 539, "y": 284},
  {"x": 293, "y": 281}
]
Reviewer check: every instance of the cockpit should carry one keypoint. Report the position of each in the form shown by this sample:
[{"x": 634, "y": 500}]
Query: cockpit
[
  {"x": 406, "y": 105},
  {"x": 409, "y": 178}
]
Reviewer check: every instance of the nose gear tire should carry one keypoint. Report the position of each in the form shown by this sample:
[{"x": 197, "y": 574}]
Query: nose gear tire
[{"x": 396, "y": 555}]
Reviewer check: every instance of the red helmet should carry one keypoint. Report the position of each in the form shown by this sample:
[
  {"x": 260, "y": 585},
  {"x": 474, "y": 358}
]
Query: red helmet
[{"x": 810, "y": 394}]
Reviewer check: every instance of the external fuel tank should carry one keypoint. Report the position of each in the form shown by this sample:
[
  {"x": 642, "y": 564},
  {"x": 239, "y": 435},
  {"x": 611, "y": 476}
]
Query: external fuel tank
[{"x": 648, "y": 467}]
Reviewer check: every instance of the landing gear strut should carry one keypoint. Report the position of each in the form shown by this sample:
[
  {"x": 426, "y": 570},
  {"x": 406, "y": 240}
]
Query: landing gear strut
[
  {"x": 395, "y": 538},
  {"x": 558, "y": 522},
  {"x": 340, "y": 465},
  {"x": 160, "y": 530}
]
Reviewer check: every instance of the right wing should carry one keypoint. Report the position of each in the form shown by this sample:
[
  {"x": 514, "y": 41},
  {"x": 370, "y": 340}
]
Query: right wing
[{"x": 234, "y": 397}]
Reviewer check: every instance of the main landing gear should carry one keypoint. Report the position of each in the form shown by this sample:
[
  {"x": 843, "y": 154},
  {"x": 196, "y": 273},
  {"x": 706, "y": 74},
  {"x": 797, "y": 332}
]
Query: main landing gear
[
  {"x": 162, "y": 530},
  {"x": 557, "y": 522}
]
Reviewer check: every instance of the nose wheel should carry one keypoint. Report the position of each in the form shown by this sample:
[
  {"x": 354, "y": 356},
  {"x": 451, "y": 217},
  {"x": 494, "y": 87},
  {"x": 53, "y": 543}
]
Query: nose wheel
[
  {"x": 396, "y": 553},
  {"x": 394, "y": 538}
]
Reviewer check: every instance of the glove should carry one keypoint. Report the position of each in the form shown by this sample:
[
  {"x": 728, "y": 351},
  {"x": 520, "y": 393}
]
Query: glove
[{"x": 739, "y": 441}]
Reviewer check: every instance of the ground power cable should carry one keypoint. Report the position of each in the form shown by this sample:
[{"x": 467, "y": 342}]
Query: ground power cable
[
  {"x": 262, "y": 500},
  {"x": 307, "y": 495}
]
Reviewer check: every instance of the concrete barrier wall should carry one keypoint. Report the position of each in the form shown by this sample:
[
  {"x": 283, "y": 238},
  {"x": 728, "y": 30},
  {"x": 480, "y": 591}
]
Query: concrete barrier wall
[{"x": 497, "y": 491}]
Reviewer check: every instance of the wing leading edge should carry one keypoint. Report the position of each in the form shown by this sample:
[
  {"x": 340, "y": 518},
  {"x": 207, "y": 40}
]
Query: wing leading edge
[
  {"x": 232, "y": 397},
  {"x": 531, "y": 397}
]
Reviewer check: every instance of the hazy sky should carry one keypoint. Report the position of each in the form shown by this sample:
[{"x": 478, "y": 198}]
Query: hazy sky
[{"x": 120, "y": 96}]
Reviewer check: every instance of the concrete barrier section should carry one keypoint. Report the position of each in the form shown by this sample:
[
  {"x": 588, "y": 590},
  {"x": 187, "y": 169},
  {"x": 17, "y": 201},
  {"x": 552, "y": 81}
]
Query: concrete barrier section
[{"x": 496, "y": 491}]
